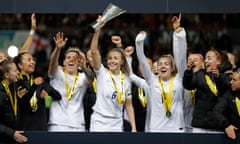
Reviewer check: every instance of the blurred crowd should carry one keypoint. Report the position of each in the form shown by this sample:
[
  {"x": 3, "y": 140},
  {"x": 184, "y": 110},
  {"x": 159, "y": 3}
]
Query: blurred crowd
[
  {"x": 139, "y": 72},
  {"x": 203, "y": 31}
]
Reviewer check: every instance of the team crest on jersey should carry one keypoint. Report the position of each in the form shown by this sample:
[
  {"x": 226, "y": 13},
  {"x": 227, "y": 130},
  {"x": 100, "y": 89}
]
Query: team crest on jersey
[{"x": 114, "y": 95}]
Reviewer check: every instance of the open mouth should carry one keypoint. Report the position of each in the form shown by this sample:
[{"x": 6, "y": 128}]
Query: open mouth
[
  {"x": 163, "y": 71},
  {"x": 112, "y": 65},
  {"x": 207, "y": 65}
]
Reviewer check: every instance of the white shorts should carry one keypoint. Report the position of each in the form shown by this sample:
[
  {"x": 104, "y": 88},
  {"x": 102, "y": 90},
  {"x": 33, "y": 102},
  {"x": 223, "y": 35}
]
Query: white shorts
[
  {"x": 100, "y": 123},
  {"x": 63, "y": 128}
]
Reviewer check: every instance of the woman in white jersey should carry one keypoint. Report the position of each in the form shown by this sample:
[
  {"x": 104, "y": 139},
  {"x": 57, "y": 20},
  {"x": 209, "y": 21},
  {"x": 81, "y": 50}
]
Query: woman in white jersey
[
  {"x": 165, "y": 102},
  {"x": 67, "y": 114},
  {"x": 113, "y": 90}
]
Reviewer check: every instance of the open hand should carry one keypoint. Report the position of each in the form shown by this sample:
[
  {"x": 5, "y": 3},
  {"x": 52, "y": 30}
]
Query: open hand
[
  {"x": 230, "y": 131},
  {"x": 60, "y": 40},
  {"x": 19, "y": 137}
]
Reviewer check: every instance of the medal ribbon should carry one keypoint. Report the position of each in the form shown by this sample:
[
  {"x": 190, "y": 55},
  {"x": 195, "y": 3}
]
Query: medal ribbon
[
  {"x": 167, "y": 98},
  {"x": 120, "y": 94},
  {"x": 70, "y": 91},
  {"x": 142, "y": 98},
  {"x": 33, "y": 101},
  {"x": 192, "y": 95},
  {"x": 94, "y": 85},
  {"x": 211, "y": 85},
  {"x": 238, "y": 105},
  {"x": 13, "y": 99},
  {"x": 20, "y": 76}
]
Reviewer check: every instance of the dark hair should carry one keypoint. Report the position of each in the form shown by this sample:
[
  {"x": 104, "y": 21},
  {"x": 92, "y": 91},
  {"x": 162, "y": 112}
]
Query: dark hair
[
  {"x": 4, "y": 67},
  {"x": 18, "y": 59}
]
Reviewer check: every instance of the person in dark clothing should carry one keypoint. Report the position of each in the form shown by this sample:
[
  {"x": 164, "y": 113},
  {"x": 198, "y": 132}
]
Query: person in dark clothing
[
  {"x": 88, "y": 101},
  {"x": 31, "y": 102},
  {"x": 227, "y": 110},
  {"x": 33, "y": 90},
  {"x": 139, "y": 109},
  {"x": 90, "y": 95},
  {"x": 210, "y": 84},
  {"x": 9, "y": 112}
]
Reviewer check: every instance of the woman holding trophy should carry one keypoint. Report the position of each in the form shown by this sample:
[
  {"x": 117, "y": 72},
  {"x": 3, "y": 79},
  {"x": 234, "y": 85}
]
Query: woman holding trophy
[{"x": 113, "y": 89}]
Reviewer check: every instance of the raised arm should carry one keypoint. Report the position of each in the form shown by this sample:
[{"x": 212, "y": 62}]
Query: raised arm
[
  {"x": 97, "y": 61},
  {"x": 27, "y": 44},
  {"x": 139, "y": 41},
  {"x": 129, "y": 50},
  {"x": 179, "y": 45},
  {"x": 60, "y": 42}
]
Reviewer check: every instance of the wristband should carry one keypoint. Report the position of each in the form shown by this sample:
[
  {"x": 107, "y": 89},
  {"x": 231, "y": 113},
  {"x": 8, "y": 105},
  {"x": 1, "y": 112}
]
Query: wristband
[{"x": 31, "y": 32}]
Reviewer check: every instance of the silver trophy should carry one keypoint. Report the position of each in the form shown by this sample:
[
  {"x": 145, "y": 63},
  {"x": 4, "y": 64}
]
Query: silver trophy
[{"x": 109, "y": 13}]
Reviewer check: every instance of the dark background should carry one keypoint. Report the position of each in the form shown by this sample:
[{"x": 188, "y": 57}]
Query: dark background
[
  {"x": 132, "y": 6},
  {"x": 215, "y": 16}
]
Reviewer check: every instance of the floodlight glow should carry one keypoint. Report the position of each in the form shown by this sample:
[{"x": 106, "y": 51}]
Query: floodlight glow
[{"x": 12, "y": 51}]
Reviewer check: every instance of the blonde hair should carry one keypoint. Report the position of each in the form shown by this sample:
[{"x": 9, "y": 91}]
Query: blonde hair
[
  {"x": 73, "y": 49},
  {"x": 124, "y": 67},
  {"x": 172, "y": 61}
]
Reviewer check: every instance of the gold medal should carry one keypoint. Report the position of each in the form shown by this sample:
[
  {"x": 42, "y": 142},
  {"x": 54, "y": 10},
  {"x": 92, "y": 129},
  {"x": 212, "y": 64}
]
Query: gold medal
[
  {"x": 168, "y": 114},
  {"x": 34, "y": 108},
  {"x": 120, "y": 97},
  {"x": 33, "y": 102},
  {"x": 167, "y": 97}
]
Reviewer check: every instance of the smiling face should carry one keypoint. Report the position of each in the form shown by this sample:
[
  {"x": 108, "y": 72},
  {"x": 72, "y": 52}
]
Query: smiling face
[
  {"x": 12, "y": 73},
  {"x": 165, "y": 68},
  {"x": 9, "y": 71},
  {"x": 212, "y": 60},
  {"x": 71, "y": 62},
  {"x": 235, "y": 82},
  {"x": 27, "y": 64},
  {"x": 114, "y": 61}
]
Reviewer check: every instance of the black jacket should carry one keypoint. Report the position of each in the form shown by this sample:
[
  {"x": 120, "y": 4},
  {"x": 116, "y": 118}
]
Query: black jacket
[
  {"x": 89, "y": 98},
  {"x": 205, "y": 100},
  {"x": 226, "y": 111},
  {"x": 34, "y": 120},
  {"x": 8, "y": 121}
]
